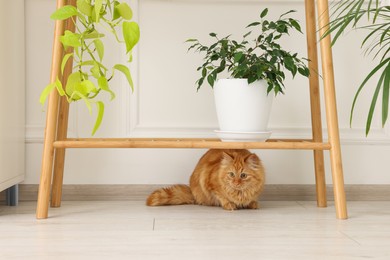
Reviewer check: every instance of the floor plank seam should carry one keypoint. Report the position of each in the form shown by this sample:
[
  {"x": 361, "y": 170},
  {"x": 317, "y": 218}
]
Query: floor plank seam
[
  {"x": 351, "y": 238},
  {"x": 301, "y": 204}
]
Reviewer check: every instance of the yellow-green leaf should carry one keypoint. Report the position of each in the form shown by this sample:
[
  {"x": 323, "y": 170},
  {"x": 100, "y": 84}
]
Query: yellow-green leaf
[
  {"x": 64, "y": 61},
  {"x": 70, "y": 39},
  {"x": 95, "y": 71},
  {"x": 125, "y": 70},
  {"x": 116, "y": 14},
  {"x": 80, "y": 95},
  {"x": 99, "y": 118},
  {"x": 87, "y": 87},
  {"x": 98, "y": 7},
  {"x": 124, "y": 10},
  {"x": 46, "y": 91},
  {"x": 94, "y": 34},
  {"x": 85, "y": 7},
  {"x": 60, "y": 90},
  {"x": 73, "y": 80},
  {"x": 99, "y": 48},
  {"x": 64, "y": 12},
  {"x": 131, "y": 34},
  {"x": 103, "y": 84},
  {"x": 91, "y": 63}
]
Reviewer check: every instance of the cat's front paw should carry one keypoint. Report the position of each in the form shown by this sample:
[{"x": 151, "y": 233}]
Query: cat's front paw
[
  {"x": 229, "y": 206},
  {"x": 253, "y": 205}
]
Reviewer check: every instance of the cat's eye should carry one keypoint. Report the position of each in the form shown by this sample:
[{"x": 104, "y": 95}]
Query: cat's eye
[
  {"x": 231, "y": 174},
  {"x": 243, "y": 175}
]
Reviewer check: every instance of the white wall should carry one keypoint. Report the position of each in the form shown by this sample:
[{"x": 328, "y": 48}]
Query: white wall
[{"x": 166, "y": 104}]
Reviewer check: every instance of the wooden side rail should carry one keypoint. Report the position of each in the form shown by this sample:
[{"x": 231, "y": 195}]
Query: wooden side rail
[{"x": 301, "y": 144}]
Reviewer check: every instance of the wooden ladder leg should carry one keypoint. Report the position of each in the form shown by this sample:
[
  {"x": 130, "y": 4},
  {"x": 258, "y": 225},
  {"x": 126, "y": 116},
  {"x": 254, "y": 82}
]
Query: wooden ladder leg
[
  {"x": 315, "y": 101},
  {"x": 51, "y": 123},
  {"x": 62, "y": 127},
  {"x": 331, "y": 112},
  {"x": 59, "y": 160}
]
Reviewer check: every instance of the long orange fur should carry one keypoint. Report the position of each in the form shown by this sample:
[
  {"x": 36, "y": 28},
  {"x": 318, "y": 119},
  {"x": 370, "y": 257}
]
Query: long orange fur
[{"x": 232, "y": 179}]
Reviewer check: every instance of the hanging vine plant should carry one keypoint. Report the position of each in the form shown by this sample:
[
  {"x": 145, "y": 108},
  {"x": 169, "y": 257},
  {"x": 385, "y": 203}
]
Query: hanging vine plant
[{"x": 91, "y": 76}]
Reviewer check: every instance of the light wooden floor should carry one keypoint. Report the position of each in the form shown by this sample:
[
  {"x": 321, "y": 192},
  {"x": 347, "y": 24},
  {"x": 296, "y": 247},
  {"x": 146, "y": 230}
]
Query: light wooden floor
[{"x": 130, "y": 230}]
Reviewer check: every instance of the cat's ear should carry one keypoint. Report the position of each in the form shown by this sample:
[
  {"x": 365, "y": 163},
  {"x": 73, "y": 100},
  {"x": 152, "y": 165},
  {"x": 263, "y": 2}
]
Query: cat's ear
[
  {"x": 226, "y": 158},
  {"x": 253, "y": 161}
]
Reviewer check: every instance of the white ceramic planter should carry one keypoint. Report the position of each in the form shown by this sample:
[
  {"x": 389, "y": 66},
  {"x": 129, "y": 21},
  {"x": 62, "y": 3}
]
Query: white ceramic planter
[{"x": 242, "y": 107}]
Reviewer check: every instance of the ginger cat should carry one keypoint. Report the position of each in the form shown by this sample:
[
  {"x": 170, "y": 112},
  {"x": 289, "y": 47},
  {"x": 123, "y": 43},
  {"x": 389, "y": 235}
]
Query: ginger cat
[{"x": 232, "y": 179}]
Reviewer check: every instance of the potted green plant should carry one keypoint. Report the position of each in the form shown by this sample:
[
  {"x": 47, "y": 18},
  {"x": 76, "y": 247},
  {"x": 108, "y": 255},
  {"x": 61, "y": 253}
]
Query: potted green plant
[
  {"x": 256, "y": 68},
  {"x": 374, "y": 17},
  {"x": 91, "y": 76}
]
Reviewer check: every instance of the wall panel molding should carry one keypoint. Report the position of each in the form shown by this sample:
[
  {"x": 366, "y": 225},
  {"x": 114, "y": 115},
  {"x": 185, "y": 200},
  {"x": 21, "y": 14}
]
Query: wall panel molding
[{"x": 34, "y": 134}]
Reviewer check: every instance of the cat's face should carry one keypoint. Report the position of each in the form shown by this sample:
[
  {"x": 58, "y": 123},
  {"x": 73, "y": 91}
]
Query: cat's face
[{"x": 240, "y": 173}]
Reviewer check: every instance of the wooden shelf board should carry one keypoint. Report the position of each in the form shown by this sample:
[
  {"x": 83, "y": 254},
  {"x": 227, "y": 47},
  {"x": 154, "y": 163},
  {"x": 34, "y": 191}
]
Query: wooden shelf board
[{"x": 294, "y": 144}]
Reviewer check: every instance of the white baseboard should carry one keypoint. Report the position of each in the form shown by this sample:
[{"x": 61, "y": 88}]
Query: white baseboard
[{"x": 29, "y": 192}]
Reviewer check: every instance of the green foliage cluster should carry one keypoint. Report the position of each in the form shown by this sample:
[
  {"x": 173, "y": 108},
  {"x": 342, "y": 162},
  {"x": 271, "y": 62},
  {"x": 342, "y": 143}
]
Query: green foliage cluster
[
  {"x": 260, "y": 58},
  {"x": 348, "y": 14},
  {"x": 90, "y": 76}
]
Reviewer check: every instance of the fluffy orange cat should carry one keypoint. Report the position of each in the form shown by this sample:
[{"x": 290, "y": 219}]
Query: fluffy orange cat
[{"x": 232, "y": 179}]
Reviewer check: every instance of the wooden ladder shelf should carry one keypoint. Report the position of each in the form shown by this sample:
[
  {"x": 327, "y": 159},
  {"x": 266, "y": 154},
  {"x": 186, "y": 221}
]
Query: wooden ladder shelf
[{"x": 56, "y": 141}]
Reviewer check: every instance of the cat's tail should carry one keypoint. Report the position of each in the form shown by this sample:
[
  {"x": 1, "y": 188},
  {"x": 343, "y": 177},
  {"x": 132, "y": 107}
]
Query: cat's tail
[{"x": 174, "y": 195}]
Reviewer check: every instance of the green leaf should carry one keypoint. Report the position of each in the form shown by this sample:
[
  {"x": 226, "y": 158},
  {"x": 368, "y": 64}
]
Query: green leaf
[
  {"x": 131, "y": 35},
  {"x": 204, "y": 72},
  {"x": 363, "y": 84},
  {"x": 238, "y": 56},
  {"x": 304, "y": 71},
  {"x": 385, "y": 95},
  {"x": 291, "y": 11},
  {"x": 295, "y": 24},
  {"x": 85, "y": 7},
  {"x": 200, "y": 83},
  {"x": 289, "y": 62},
  {"x": 98, "y": 6},
  {"x": 373, "y": 104},
  {"x": 103, "y": 84},
  {"x": 45, "y": 93},
  {"x": 213, "y": 34},
  {"x": 99, "y": 118},
  {"x": 210, "y": 80},
  {"x": 99, "y": 48},
  {"x": 245, "y": 35},
  {"x": 64, "y": 61},
  {"x": 264, "y": 13},
  {"x": 64, "y": 12},
  {"x": 70, "y": 39},
  {"x": 253, "y": 24},
  {"x": 124, "y": 10},
  {"x": 372, "y": 33},
  {"x": 125, "y": 70}
]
